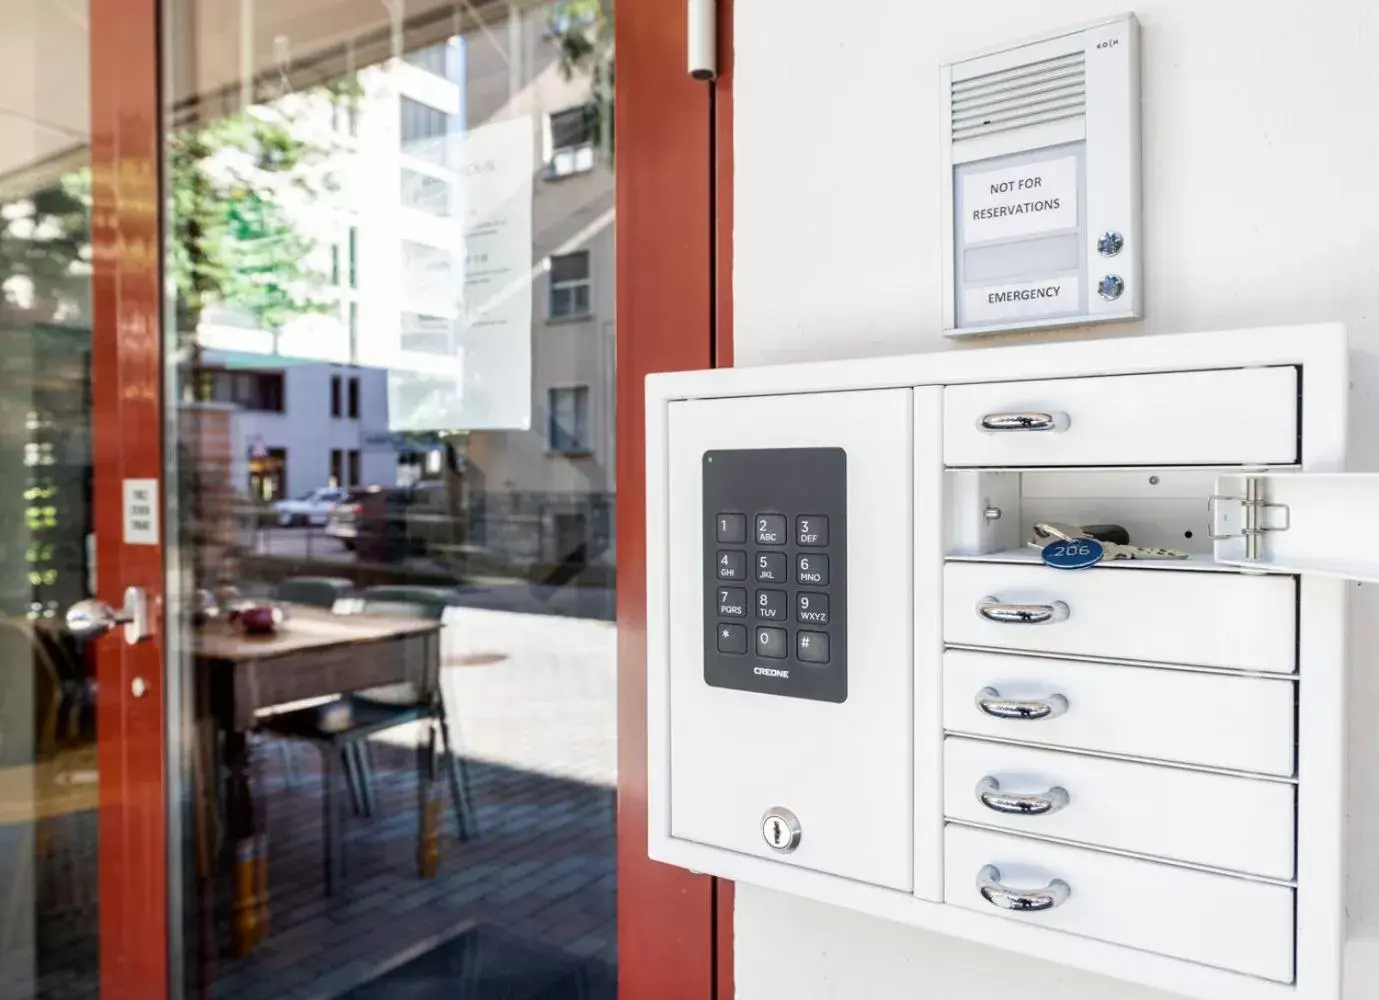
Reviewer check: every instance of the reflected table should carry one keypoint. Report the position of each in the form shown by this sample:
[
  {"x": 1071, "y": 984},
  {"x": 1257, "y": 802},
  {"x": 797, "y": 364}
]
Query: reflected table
[{"x": 314, "y": 654}]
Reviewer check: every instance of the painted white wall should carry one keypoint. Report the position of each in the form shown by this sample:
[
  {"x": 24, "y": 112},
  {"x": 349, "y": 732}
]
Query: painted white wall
[{"x": 1261, "y": 206}]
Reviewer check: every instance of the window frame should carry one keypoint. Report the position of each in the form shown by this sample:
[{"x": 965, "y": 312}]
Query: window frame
[
  {"x": 579, "y": 443},
  {"x": 572, "y": 159},
  {"x": 553, "y": 286}
]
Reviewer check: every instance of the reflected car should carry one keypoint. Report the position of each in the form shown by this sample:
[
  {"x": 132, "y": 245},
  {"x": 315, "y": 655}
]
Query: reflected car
[{"x": 311, "y": 508}]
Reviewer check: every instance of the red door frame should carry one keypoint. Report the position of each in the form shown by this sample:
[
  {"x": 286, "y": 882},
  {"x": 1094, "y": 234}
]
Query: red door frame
[
  {"x": 674, "y": 200},
  {"x": 127, "y": 435},
  {"x": 674, "y": 288}
]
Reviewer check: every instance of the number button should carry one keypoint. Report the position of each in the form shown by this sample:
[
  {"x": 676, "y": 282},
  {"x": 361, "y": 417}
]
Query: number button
[
  {"x": 732, "y": 602},
  {"x": 770, "y": 529},
  {"x": 732, "y": 528},
  {"x": 771, "y": 605},
  {"x": 811, "y": 647},
  {"x": 810, "y": 609},
  {"x": 772, "y": 643},
  {"x": 732, "y": 565},
  {"x": 770, "y": 567},
  {"x": 811, "y": 529},
  {"x": 811, "y": 569},
  {"x": 732, "y": 639}
]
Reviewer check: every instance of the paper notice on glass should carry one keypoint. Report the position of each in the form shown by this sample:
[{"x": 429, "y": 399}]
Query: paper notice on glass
[
  {"x": 1020, "y": 200},
  {"x": 478, "y": 376}
]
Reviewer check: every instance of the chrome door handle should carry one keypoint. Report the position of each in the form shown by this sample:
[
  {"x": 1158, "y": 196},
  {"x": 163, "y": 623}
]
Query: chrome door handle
[
  {"x": 998, "y": 611},
  {"x": 91, "y": 618},
  {"x": 996, "y": 893},
  {"x": 989, "y": 700},
  {"x": 990, "y": 795},
  {"x": 999, "y": 423}
]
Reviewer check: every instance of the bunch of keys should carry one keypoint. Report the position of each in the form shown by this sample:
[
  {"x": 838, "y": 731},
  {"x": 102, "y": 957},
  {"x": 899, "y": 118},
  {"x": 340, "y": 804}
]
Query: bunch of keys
[{"x": 1066, "y": 546}]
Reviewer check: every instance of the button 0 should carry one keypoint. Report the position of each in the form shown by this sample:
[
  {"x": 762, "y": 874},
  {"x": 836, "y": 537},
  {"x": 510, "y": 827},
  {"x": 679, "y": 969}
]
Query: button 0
[
  {"x": 771, "y": 605},
  {"x": 732, "y": 528},
  {"x": 812, "y": 569},
  {"x": 810, "y": 609},
  {"x": 732, "y": 639},
  {"x": 811, "y": 647},
  {"x": 770, "y": 529},
  {"x": 732, "y": 565},
  {"x": 771, "y": 567},
  {"x": 732, "y": 602},
  {"x": 772, "y": 643},
  {"x": 811, "y": 529}
]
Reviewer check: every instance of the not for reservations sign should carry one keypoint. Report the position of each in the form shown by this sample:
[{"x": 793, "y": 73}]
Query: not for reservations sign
[{"x": 1020, "y": 200}]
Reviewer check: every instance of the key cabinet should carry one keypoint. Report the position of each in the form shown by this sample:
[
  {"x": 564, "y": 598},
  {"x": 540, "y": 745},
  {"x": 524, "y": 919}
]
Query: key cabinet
[{"x": 1136, "y": 768}]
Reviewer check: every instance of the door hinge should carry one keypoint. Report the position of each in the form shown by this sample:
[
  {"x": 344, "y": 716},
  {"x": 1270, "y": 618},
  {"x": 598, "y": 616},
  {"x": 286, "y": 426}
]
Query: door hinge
[{"x": 1248, "y": 517}]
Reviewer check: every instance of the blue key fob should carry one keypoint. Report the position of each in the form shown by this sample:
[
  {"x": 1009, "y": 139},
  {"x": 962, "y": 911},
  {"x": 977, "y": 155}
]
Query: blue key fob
[{"x": 1076, "y": 554}]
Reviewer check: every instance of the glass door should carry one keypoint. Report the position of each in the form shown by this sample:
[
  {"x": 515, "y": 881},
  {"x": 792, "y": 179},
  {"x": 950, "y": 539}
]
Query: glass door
[{"x": 82, "y": 858}]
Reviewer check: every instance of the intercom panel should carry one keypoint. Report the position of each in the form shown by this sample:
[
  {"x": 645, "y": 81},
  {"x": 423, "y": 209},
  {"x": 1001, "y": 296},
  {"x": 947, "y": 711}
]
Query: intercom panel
[{"x": 789, "y": 646}]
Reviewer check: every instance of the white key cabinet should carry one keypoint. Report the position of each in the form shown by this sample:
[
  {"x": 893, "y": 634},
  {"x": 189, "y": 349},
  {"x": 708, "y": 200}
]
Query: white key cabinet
[{"x": 867, "y": 688}]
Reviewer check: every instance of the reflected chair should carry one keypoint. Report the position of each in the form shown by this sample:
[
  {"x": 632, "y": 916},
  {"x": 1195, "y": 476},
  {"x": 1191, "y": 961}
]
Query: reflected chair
[
  {"x": 313, "y": 591},
  {"x": 344, "y": 749}
]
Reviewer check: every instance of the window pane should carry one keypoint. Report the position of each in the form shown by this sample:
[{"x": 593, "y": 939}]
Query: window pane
[
  {"x": 570, "y": 266},
  {"x": 397, "y": 289}
]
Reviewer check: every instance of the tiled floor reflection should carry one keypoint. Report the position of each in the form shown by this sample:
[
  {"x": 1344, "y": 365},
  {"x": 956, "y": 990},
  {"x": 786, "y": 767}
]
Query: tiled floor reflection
[{"x": 528, "y": 905}]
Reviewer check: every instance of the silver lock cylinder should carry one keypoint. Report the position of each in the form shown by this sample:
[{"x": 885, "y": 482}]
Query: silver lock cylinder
[{"x": 780, "y": 828}]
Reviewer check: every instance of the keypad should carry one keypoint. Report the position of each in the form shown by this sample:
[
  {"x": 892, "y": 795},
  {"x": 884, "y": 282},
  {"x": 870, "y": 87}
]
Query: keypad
[
  {"x": 771, "y": 605},
  {"x": 770, "y": 529},
  {"x": 732, "y": 639},
  {"x": 775, "y": 524},
  {"x": 732, "y": 565},
  {"x": 773, "y": 643},
  {"x": 732, "y": 602},
  {"x": 732, "y": 528},
  {"x": 810, "y": 530},
  {"x": 811, "y": 568},
  {"x": 771, "y": 567}
]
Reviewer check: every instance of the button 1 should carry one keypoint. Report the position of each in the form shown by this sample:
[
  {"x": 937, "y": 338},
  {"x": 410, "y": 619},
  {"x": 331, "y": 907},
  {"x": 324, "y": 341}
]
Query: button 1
[
  {"x": 732, "y": 602},
  {"x": 771, "y": 605},
  {"x": 770, "y": 529},
  {"x": 811, "y": 529},
  {"x": 810, "y": 609},
  {"x": 770, "y": 567},
  {"x": 811, "y": 647},
  {"x": 811, "y": 569},
  {"x": 732, "y": 528},
  {"x": 732, "y": 639},
  {"x": 732, "y": 565},
  {"x": 772, "y": 643}
]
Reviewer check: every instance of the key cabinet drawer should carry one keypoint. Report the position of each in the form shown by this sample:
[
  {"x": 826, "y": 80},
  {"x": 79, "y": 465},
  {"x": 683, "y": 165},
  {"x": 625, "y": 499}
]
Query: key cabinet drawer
[
  {"x": 1206, "y": 618},
  {"x": 1228, "y": 417},
  {"x": 1220, "y": 821},
  {"x": 1215, "y": 720},
  {"x": 1218, "y": 920}
]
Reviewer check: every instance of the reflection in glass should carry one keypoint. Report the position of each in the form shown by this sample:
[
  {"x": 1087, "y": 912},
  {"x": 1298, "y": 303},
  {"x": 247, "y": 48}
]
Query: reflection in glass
[{"x": 392, "y": 256}]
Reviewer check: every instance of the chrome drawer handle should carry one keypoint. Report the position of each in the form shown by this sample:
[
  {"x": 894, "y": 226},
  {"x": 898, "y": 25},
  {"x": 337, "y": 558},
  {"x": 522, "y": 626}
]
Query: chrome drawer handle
[
  {"x": 995, "y": 423},
  {"x": 995, "y": 610},
  {"x": 989, "y": 884},
  {"x": 990, "y": 795},
  {"x": 989, "y": 700}
]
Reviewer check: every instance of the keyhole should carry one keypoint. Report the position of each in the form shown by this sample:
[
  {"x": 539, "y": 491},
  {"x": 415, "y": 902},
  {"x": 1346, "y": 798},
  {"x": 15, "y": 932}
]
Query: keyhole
[{"x": 776, "y": 832}]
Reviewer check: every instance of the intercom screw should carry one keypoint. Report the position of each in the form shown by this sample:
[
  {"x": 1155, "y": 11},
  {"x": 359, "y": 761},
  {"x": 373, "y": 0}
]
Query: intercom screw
[
  {"x": 1109, "y": 244},
  {"x": 1110, "y": 287}
]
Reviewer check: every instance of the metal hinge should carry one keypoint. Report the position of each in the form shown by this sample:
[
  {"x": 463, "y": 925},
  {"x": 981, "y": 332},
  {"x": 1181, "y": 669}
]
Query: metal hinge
[{"x": 1248, "y": 517}]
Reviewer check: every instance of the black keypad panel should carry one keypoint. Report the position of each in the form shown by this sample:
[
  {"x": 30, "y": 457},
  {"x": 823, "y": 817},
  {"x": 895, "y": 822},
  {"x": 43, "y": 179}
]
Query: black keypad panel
[{"x": 775, "y": 527}]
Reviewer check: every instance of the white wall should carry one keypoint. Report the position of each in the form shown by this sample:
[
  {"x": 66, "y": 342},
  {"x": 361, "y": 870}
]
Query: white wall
[{"x": 1261, "y": 194}]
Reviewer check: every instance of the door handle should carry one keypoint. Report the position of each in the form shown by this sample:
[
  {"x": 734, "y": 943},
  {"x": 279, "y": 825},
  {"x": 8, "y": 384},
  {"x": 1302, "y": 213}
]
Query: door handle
[
  {"x": 996, "y": 893},
  {"x": 998, "y": 423},
  {"x": 91, "y": 618},
  {"x": 990, "y": 795},
  {"x": 995, "y": 610},
  {"x": 989, "y": 700}
]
